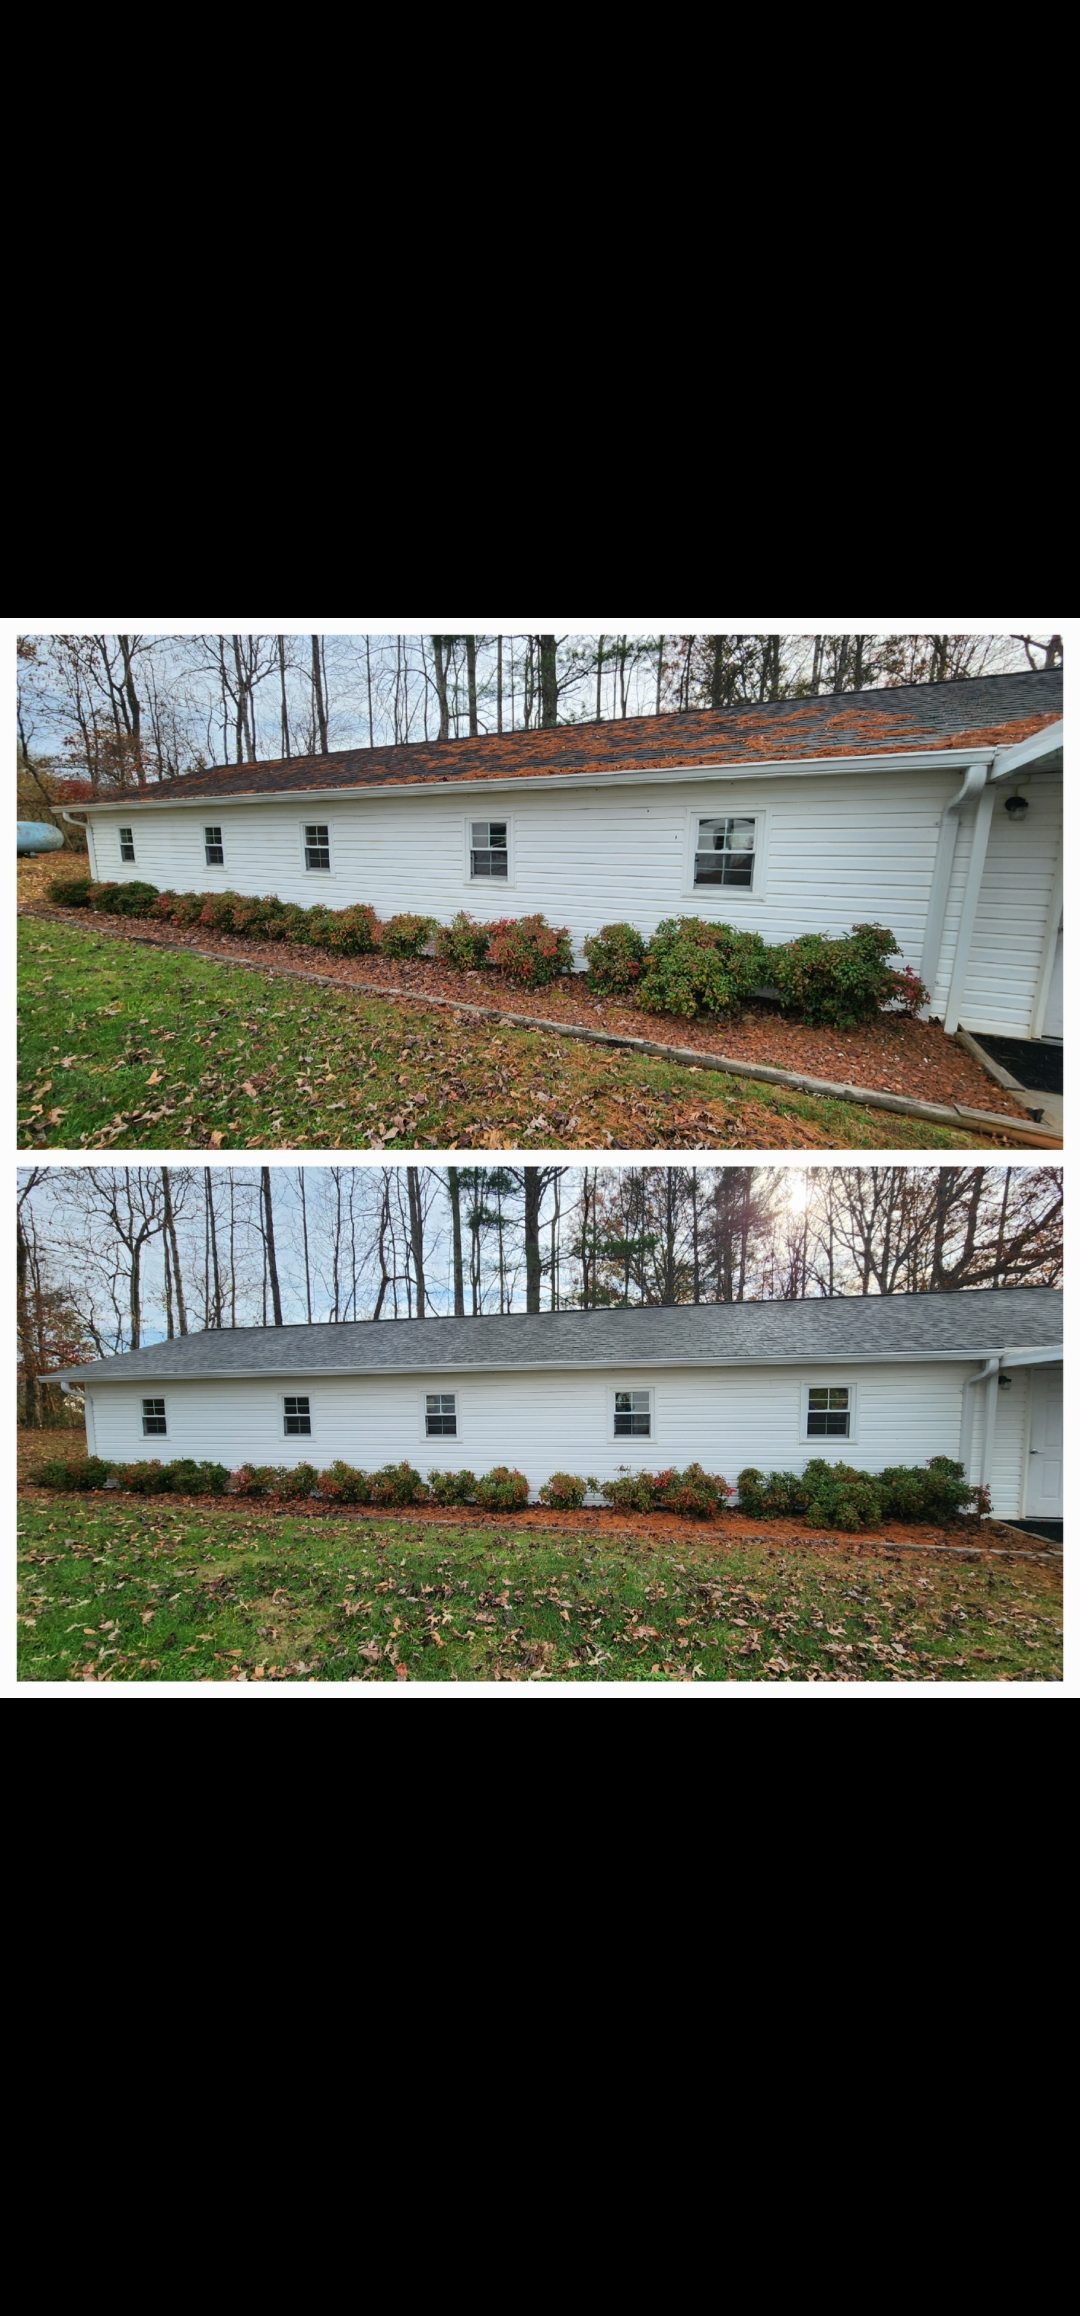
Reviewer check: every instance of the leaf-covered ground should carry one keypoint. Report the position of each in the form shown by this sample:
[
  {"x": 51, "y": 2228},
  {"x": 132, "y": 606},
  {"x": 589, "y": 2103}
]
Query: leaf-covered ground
[
  {"x": 130, "y": 1591},
  {"x": 130, "y": 1046}
]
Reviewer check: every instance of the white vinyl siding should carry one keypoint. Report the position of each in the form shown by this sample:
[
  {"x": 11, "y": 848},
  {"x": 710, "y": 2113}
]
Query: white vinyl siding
[
  {"x": 843, "y": 849},
  {"x": 562, "y": 1420},
  {"x": 1011, "y": 925}
]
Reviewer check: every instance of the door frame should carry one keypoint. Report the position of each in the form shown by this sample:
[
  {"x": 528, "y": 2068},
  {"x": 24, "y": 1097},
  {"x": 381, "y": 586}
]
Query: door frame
[{"x": 1028, "y": 1513}]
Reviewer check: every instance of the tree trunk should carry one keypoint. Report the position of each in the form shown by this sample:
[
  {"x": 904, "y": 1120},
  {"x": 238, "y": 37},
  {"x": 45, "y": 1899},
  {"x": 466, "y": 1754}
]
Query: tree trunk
[
  {"x": 307, "y": 1258},
  {"x": 453, "y": 1180},
  {"x": 215, "y": 1266},
  {"x": 498, "y": 684},
  {"x": 440, "y": 686},
  {"x": 134, "y": 708},
  {"x": 271, "y": 1250},
  {"x": 470, "y": 668},
  {"x": 318, "y": 700},
  {"x": 416, "y": 1234},
  {"x": 549, "y": 680},
  {"x": 284, "y": 697},
  {"x": 170, "y": 1241},
  {"x": 533, "y": 1180},
  {"x": 27, "y": 1346},
  {"x": 370, "y": 708}
]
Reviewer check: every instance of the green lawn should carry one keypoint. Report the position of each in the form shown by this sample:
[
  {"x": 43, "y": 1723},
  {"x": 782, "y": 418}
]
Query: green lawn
[
  {"x": 130, "y": 1591},
  {"x": 124, "y": 1046}
]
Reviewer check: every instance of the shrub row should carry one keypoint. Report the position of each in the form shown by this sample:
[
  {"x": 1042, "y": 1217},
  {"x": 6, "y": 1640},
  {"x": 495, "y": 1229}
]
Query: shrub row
[
  {"x": 690, "y": 966},
  {"x": 827, "y": 1495},
  {"x": 838, "y": 1496}
]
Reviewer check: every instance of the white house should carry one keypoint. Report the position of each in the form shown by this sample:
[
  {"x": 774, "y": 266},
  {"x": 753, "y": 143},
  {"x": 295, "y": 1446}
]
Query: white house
[
  {"x": 935, "y": 809},
  {"x": 871, "y": 1381}
]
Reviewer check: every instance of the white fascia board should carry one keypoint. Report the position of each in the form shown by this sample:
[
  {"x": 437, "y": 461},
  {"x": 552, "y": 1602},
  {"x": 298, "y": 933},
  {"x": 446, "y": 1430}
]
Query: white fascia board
[
  {"x": 1050, "y": 1357},
  {"x": 802, "y": 768},
  {"x": 435, "y": 1366},
  {"x": 1044, "y": 743}
]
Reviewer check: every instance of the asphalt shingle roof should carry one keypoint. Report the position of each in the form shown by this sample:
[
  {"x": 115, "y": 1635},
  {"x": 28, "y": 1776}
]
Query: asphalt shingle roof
[
  {"x": 692, "y": 1335},
  {"x": 982, "y": 712}
]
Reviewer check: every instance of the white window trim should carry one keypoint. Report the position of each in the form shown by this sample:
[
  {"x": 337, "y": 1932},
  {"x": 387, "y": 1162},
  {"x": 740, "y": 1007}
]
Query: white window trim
[
  {"x": 120, "y": 835},
  {"x": 440, "y": 1440},
  {"x": 143, "y": 1402},
  {"x": 214, "y": 864},
  {"x": 624, "y": 1439},
  {"x": 722, "y": 897},
  {"x": 829, "y": 1445},
  {"x": 295, "y": 1437},
  {"x": 322, "y": 876},
  {"x": 490, "y": 884}
]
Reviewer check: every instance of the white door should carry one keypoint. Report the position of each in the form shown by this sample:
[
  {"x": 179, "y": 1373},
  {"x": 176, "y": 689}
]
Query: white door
[
  {"x": 1052, "y": 1026},
  {"x": 1044, "y": 1498}
]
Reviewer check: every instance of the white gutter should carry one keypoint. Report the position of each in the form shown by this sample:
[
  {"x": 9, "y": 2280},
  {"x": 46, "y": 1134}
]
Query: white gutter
[
  {"x": 773, "y": 768},
  {"x": 973, "y": 783},
  {"x": 986, "y": 1374}
]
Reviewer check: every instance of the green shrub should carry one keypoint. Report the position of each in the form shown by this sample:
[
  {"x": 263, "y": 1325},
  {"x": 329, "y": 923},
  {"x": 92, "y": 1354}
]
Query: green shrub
[
  {"x": 296, "y": 1481},
  {"x": 319, "y": 926},
  {"x": 292, "y": 924},
  {"x": 693, "y": 966},
  {"x": 398, "y": 1484},
  {"x": 906, "y": 992},
  {"x": 71, "y": 892},
  {"x": 343, "y": 1484},
  {"x": 406, "y": 935},
  {"x": 149, "y": 1478},
  {"x": 252, "y": 914},
  {"x": 102, "y": 896},
  {"x": 353, "y": 932},
  {"x": 528, "y": 949},
  {"x": 187, "y": 908},
  {"x": 186, "y": 1476},
  {"x": 630, "y": 1491},
  {"x": 616, "y": 959},
  {"x": 452, "y": 1487},
  {"x": 938, "y": 1491},
  {"x": 462, "y": 943},
  {"x": 565, "y": 1492},
  {"x": 840, "y": 979},
  {"x": 502, "y": 1490},
  {"x": 75, "y": 1477},
  {"x": 751, "y": 1487},
  {"x": 838, "y": 1496},
  {"x": 135, "y": 899},
  {"x": 695, "y": 1492},
  {"x": 219, "y": 910},
  {"x": 780, "y": 1497}
]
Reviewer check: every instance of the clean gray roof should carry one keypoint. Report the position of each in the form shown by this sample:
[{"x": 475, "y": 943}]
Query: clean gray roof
[
  {"x": 690, "y": 1334},
  {"x": 899, "y": 719}
]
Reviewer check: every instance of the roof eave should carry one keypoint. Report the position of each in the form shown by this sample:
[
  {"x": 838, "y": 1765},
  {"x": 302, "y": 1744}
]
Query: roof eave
[
  {"x": 538, "y": 1366},
  {"x": 771, "y": 768}
]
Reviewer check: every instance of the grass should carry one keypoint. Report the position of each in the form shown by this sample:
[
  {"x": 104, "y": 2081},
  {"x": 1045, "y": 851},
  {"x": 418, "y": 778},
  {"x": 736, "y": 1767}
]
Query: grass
[
  {"x": 152, "y": 1591},
  {"x": 122, "y": 1046}
]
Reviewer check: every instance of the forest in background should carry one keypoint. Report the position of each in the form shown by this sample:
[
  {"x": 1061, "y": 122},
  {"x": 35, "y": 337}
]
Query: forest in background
[
  {"x": 110, "y": 1258},
  {"x": 100, "y": 711}
]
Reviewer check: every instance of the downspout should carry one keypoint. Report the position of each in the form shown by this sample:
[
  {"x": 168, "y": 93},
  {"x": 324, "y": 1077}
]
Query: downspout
[
  {"x": 975, "y": 780},
  {"x": 986, "y": 1374}
]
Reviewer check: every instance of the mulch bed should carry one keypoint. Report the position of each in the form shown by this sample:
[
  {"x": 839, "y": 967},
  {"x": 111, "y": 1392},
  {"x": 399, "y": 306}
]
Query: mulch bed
[
  {"x": 892, "y": 1055},
  {"x": 652, "y": 1529}
]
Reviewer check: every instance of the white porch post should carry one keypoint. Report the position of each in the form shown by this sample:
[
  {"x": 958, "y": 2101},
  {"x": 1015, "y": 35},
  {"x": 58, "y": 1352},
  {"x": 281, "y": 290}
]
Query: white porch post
[
  {"x": 974, "y": 780},
  {"x": 980, "y": 837}
]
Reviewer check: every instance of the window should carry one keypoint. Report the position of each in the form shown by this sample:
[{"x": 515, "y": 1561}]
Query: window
[
  {"x": 297, "y": 1418},
  {"x": 215, "y": 850},
  {"x": 724, "y": 851},
  {"x": 633, "y": 1415},
  {"x": 127, "y": 844},
  {"x": 316, "y": 844},
  {"x": 828, "y": 1411},
  {"x": 153, "y": 1418},
  {"x": 489, "y": 851},
  {"x": 440, "y": 1414}
]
